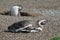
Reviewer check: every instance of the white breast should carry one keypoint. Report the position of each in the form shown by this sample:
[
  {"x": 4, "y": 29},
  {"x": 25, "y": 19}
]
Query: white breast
[{"x": 14, "y": 10}]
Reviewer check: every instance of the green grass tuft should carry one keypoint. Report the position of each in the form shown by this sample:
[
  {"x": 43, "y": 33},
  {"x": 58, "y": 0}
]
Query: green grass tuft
[{"x": 55, "y": 38}]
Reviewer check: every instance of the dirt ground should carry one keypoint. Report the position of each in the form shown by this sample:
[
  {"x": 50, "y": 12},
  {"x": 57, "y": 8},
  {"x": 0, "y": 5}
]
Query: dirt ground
[
  {"x": 50, "y": 10},
  {"x": 30, "y": 4},
  {"x": 51, "y": 29}
]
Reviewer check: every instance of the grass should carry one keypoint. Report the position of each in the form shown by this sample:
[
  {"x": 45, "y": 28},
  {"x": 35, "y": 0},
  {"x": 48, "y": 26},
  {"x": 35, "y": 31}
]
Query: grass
[{"x": 55, "y": 38}]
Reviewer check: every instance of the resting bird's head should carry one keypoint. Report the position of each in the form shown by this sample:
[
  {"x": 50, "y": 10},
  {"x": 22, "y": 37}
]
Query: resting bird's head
[{"x": 42, "y": 22}]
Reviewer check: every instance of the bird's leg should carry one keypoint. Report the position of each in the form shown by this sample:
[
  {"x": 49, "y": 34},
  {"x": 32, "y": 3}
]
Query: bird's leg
[{"x": 19, "y": 14}]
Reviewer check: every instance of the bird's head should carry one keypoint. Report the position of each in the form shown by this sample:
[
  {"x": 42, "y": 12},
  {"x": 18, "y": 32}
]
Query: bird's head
[
  {"x": 20, "y": 7},
  {"x": 42, "y": 22}
]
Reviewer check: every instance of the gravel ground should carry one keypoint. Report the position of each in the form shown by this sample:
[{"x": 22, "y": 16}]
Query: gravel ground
[
  {"x": 50, "y": 10},
  {"x": 51, "y": 29}
]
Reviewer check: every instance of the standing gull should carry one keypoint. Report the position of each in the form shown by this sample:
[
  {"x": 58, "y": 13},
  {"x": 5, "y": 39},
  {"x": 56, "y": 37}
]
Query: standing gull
[{"x": 15, "y": 10}]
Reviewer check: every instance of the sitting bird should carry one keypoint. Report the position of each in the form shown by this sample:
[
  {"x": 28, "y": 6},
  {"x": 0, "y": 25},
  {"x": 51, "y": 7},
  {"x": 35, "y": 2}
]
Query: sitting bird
[{"x": 27, "y": 26}]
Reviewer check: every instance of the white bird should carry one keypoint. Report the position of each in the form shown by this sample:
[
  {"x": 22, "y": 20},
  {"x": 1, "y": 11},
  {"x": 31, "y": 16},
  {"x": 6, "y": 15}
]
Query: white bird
[
  {"x": 26, "y": 25},
  {"x": 15, "y": 10}
]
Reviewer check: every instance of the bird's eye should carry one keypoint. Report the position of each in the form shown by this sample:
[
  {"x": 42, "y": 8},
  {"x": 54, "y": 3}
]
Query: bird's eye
[
  {"x": 42, "y": 23},
  {"x": 20, "y": 8}
]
